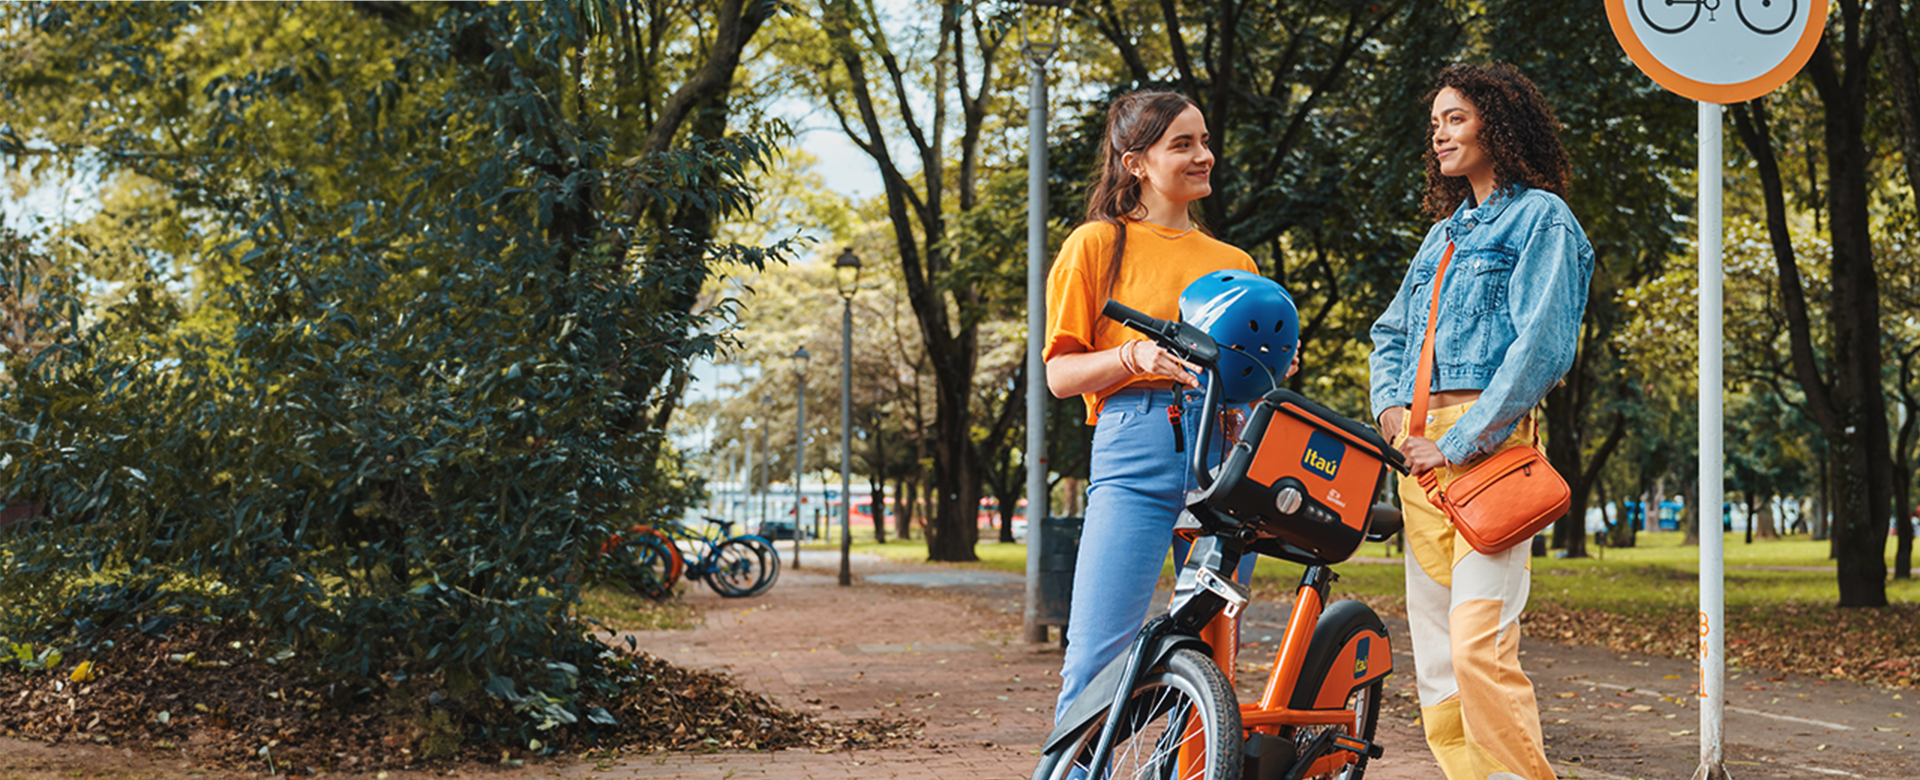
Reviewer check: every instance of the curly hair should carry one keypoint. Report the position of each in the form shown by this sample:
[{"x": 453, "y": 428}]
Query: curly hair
[{"x": 1517, "y": 129}]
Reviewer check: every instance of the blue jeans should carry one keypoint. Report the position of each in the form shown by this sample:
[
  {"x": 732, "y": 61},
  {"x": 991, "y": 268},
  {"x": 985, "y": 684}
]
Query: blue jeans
[{"x": 1137, "y": 488}]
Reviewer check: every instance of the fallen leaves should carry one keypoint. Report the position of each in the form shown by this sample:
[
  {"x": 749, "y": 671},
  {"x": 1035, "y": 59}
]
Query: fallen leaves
[
  {"x": 1792, "y": 637},
  {"x": 216, "y": 697}
]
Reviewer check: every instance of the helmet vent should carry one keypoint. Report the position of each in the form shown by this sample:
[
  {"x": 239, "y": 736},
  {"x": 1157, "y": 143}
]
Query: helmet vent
[
  {"x": 1248, "y": 371},
  {"x": 1253, "y": 325},
  {"x": 1263, "y": 349},
  {"x": 1279, "y": 326}
]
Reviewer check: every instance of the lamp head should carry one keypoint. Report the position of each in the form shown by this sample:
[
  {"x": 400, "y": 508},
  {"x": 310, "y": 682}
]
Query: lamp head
[
  {"x": 846, "y": 273},
  {"x": 1040, "y": 24}
]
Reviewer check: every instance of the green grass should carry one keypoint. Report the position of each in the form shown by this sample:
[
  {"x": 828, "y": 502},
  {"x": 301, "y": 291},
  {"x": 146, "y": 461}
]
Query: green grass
[{"x": 618, "y": 608}]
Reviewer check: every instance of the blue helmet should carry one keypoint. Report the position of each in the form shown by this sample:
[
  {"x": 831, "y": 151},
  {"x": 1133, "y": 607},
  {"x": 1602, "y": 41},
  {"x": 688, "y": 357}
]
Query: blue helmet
[{"x": 1253, "y": 320}]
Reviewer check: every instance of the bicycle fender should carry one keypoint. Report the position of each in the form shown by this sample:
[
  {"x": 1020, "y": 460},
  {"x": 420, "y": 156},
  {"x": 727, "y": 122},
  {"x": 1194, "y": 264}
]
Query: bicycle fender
[
  {"x": 1098, "y": 695},
  {"x": 1349, "y": 650}
]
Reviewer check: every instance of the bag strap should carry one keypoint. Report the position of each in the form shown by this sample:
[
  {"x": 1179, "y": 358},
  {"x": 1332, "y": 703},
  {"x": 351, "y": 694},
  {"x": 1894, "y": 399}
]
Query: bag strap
[{"x": 1423, "y": 376}]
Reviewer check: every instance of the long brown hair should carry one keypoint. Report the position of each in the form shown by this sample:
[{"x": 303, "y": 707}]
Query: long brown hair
[
  {"x": 1517, "y": 129},
  {"x": 1135, "y": 121}
]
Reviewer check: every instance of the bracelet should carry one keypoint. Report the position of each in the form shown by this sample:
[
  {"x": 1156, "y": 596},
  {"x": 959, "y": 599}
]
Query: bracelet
[{"x": 1126, "y": 359}]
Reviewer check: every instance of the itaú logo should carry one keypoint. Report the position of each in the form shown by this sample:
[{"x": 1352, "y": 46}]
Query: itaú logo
[{"x": 1323, "y": 455}]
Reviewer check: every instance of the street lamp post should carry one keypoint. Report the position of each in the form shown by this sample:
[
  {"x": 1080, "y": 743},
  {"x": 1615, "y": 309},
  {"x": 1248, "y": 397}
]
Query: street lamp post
[
  {"x": 1039, "y": 37},
  {"x": 766, "y": 459},
  {"x": 799, "y": 358},
  {"x": 846, "y": 276},
  {"x": 746, "y": 443}
]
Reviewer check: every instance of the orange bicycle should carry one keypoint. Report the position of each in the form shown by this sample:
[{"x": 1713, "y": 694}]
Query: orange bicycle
[{"x": 1297, "y": 485}]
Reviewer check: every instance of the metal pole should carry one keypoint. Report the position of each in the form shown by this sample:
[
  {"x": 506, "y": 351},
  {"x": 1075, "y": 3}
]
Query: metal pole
[
  {"x": 799, "y": 455},
  {"x": 766, "y": 455},
  {"x": 746, "y": 505},
  {"x": 1037, "y": 503},
  {"x": 846, "y": 440},
  {"x": 1713, "y": 659}
]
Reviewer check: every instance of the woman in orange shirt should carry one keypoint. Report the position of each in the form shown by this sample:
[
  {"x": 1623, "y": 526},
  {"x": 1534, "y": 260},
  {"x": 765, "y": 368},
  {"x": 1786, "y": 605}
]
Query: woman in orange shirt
[{"x": 1139, "y": 245}]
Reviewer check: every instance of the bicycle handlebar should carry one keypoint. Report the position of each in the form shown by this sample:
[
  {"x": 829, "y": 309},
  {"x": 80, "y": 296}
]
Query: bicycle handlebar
[
  {"x": 1186, "y": 341},
  {"x": 1190, "y": 344}
]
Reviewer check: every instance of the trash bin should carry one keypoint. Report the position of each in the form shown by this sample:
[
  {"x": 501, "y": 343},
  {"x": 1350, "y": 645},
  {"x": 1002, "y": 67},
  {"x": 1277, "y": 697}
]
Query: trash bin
[{"x": 1059, "y": 548}]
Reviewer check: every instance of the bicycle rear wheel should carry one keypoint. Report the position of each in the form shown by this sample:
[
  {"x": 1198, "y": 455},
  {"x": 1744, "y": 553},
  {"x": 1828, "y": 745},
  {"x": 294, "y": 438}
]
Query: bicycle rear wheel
[
  {"x": 1185, "y": 705},
  {"x": 1365, "y": 702},
  {"x": 771, "y": 574},
  {"x": 740, "y": 569}
]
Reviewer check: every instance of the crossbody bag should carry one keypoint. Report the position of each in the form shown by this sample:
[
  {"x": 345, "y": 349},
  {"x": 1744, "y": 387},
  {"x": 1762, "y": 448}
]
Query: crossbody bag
[{"x": 1504, "y": 498}]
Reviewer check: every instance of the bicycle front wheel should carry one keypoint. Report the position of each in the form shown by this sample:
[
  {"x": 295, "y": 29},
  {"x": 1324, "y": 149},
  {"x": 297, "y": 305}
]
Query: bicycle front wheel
[
  {"x": 1181, "y": 722},
  {"x": 740, "y": 569}
]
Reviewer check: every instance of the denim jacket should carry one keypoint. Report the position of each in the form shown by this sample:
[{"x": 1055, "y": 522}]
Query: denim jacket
[{"x": 1510, "y": 308}]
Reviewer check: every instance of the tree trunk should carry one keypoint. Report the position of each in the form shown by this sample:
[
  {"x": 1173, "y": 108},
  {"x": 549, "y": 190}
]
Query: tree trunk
[
  {"x": 1817, "y": 524},
  {"x": 902, "y": 509},
  {"x": 1848, "y": 406},
  {"x": 1691, "y": 516},
  {"x": 877, "y": 508}
]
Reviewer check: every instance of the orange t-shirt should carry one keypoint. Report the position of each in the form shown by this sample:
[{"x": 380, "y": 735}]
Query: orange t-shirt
[{"x": 1152, "y": 274}]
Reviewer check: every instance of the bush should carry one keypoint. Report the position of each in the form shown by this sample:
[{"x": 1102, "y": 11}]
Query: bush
[{"x": 427, "y": 383}]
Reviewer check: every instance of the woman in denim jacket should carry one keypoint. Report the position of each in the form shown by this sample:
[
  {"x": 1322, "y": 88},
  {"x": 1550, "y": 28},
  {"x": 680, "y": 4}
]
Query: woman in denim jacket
[{"x": 1510, "y": 305}]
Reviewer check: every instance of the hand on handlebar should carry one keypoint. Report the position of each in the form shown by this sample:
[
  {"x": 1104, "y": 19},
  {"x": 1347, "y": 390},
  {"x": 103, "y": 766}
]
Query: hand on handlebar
[
  {"x": 1422, "y": 455},
  {"x": 1151, "y": 359}
]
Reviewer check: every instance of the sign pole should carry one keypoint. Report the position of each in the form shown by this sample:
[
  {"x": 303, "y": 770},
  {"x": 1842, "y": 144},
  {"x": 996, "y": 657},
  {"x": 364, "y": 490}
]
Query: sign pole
[
  {"x": 1713, "y": 658},
  {"x": 1716, "y": 61}
]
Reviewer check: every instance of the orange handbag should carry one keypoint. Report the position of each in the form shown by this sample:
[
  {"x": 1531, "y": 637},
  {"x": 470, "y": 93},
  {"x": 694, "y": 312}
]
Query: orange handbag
[{"x": 1505, "y": 498}]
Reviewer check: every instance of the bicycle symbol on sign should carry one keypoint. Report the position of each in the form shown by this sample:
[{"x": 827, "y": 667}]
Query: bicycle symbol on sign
[{"x": 1668, "y": 17}]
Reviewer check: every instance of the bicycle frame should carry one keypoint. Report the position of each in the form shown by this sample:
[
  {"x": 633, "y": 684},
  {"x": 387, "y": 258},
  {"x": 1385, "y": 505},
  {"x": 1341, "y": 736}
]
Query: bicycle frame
[{"x": 1228, "y": 517}]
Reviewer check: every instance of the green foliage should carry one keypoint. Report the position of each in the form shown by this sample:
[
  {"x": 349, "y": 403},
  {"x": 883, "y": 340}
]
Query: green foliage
[
  {"x": 419, "y": 385},
  {"x": 23, "y": 654}
]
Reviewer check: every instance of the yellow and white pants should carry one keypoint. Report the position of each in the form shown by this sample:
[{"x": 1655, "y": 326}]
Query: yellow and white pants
[{"x": 1464, "y": 609}]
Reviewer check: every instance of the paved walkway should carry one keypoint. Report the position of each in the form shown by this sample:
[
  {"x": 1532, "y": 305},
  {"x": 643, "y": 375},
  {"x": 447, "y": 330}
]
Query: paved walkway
[{"x": 942, "y": 644}]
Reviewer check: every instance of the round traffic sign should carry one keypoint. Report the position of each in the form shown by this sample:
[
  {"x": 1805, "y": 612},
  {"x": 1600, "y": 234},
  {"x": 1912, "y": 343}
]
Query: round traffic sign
[{"x": 1719, "y": 51}]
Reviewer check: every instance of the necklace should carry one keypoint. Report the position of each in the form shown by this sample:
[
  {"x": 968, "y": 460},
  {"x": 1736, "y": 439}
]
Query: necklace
[{"x": 1151, "y": 229}]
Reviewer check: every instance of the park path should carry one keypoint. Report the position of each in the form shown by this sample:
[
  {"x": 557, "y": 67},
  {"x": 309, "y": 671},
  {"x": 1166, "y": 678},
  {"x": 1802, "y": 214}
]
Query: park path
[
  {"x": 942, "y": 644},
  {"x": 937, "y": 643}
]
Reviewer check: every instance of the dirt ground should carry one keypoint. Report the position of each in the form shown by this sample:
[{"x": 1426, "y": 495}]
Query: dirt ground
[{"x": 942, "y": 645}]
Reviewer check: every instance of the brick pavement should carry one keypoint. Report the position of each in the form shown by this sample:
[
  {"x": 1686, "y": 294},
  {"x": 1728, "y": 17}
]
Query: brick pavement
[
  {"x": 862, "y": 651},
  {"x": 951, "y": 656}
]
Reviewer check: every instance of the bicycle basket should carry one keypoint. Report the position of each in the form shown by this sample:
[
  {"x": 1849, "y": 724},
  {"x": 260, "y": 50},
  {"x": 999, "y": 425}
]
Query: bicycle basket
[{"x": 1334, "y": 467}]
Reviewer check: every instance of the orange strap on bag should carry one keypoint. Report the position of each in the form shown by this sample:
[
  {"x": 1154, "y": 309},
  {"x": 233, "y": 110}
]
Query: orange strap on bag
[{"x": 1505, "y": 498}]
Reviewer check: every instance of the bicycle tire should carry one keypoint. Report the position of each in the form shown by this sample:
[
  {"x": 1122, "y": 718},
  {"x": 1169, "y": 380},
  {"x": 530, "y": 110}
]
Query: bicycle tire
[
  {"x": 1367, "y": 720},
  {"x": 1675, "y": 29},
  {"x": 645, "y": 565},
  {"x": 738, "y": 570},
  {"x": 1153, "y": 727},
  {"x": 1793, "y": 10},
  {"x": 769, "y": 575},
  {"x": 677, "y": 559}
]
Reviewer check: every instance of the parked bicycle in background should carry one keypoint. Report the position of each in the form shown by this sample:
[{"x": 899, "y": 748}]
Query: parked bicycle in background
[{"x": 651, "y": 559}]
